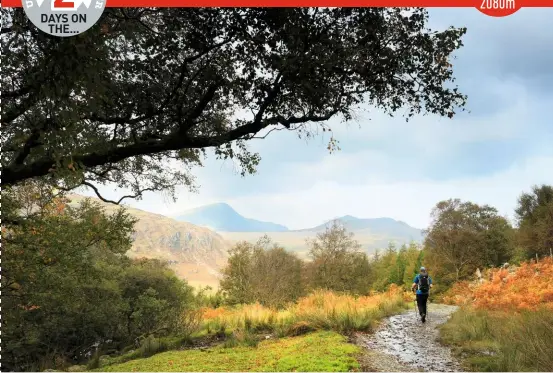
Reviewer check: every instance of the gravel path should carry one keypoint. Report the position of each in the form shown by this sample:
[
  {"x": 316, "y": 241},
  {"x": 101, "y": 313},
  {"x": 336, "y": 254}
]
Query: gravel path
[{"x": 404, "y": 343}]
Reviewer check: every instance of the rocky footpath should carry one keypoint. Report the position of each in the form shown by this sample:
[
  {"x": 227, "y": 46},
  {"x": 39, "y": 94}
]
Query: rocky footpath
[{"x": 403, "y": 343}]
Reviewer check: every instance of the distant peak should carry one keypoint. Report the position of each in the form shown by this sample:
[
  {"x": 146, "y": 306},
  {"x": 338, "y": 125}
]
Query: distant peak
[
  {"x": 218, "y": 206},
  {"x": 354, "y": 218},
  {"x": 348, "y": 217},
  {"x": 222, "y": 217}
]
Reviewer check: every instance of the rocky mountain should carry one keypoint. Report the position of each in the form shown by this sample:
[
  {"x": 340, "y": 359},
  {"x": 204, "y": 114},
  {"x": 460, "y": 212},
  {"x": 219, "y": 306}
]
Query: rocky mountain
[
  {"x": 223, "y": 218},
  {"x": 195, "y": 253},
  {"x": 198, "y": 253}
]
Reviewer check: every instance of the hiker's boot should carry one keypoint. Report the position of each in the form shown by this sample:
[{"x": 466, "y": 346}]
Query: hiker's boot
[{"x": 423, "y": 317}]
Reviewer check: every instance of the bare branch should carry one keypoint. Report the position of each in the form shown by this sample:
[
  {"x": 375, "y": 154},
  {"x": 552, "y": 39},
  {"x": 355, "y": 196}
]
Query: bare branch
[{"x": 97, "y": 192}]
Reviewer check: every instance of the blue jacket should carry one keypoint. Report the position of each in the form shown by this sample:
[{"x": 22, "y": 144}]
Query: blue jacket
[{"x": 416, "y": 281}]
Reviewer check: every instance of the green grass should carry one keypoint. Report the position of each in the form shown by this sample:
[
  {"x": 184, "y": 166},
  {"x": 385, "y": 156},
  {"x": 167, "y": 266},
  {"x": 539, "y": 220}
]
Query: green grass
[
  {"x": 152, "y": 346},
  {"x": 502, "y": 342},
  {"x": 237, "y": 337},
  {"x": 320, "y": 351}
]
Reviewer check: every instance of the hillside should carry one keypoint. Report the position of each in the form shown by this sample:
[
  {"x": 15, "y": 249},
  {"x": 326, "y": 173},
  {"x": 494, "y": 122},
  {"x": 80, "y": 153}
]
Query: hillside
[
  {"x": 197, "y": 254},
  {"x": 223, "y": 218}
]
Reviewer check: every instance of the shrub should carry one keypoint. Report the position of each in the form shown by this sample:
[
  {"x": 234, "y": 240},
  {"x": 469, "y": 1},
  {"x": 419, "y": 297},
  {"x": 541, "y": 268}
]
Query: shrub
[{"x": 528, "y": 287}]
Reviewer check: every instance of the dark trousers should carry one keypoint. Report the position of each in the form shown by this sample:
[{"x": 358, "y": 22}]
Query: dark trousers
[{"x": 421, "y": 303}]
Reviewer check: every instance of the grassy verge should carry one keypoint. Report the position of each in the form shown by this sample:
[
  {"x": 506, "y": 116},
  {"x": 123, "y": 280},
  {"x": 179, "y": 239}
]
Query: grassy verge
[
  {"x": 152, "y": 346},
  {"x": 249, "y": 329},
  {"x": 323, "y": 351},
  {"x": 490, "y": 341}
]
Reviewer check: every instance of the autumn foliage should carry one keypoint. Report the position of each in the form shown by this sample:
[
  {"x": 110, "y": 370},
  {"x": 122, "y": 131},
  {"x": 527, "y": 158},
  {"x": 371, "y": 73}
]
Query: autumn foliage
[
  {"x": 461, "y": 293},
  {"x": 321, "y": 309},
  {"x": 528, "y": 287}
]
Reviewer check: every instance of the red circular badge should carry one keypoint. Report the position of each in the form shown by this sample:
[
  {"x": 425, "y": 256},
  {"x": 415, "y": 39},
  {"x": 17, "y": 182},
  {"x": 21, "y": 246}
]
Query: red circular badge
[{"x": 498, "y": 8}]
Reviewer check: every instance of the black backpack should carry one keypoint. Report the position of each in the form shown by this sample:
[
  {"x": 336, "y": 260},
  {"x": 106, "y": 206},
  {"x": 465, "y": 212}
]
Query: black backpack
[{"x": 424, "y": 283}]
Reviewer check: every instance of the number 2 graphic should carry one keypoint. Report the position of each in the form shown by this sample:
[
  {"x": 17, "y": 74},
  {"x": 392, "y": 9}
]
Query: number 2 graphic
[{"x": 63, "y": 4}]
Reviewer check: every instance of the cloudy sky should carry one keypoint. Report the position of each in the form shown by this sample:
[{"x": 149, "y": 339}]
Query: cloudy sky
[{"x": 387, "y": 167}]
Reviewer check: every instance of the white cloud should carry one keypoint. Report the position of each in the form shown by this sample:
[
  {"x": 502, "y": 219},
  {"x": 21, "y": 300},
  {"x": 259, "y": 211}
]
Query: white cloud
[
  {"x": 154, "y": 202},
  {"x": 433, "y": 134},
  {"x": 407, "y": 201},
  {"x": 410, "y": 202}
]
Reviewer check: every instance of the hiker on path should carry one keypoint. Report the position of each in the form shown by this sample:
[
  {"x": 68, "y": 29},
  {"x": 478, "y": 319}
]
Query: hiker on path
[{"x": 423, "y": 283}]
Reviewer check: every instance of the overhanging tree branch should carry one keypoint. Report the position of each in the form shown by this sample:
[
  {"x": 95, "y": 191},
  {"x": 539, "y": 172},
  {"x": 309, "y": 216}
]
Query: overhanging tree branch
[
  {"x": 180, "y": 79},
  {"x": 97, "y": 192},
  {"x": 41, "y": 167}
]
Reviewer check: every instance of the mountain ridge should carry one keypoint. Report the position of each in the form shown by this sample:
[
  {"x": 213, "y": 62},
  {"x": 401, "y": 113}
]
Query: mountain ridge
[
  {"x": 222, "y": 217},
  {"x": 382, "y": 225},
  {"x": 371, "y": 233},
  {"x": 198, "y": 254},
  {"x": 219, "y": 216}
]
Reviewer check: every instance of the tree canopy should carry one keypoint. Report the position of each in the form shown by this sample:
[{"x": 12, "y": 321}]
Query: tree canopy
[
  {"x": 338, "y": 262},
  {"x": 137, "y": 99},
  {"x": 263, "y": 272},
  {"x": 534, "y": 214},
  {"x": 464, "y": 236},
  {"x": 68, "y": 288}
]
